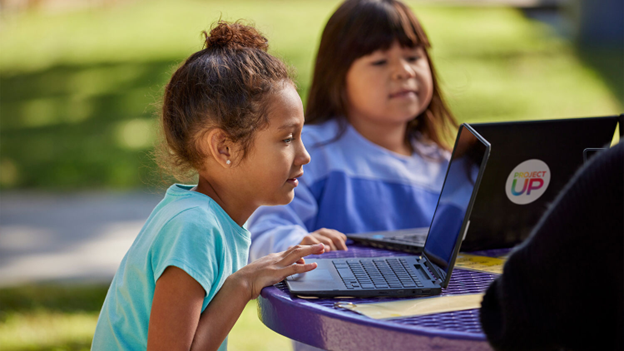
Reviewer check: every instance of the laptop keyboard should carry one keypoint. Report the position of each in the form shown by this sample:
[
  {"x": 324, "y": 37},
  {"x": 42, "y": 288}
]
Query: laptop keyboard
[{"x": 377, "y": 273}]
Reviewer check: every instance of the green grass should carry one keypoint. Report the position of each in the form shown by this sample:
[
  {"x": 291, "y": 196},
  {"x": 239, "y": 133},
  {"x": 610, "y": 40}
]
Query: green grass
[
  {"x": 63, "y": 317},
  {"x": 79, "y": 90}
]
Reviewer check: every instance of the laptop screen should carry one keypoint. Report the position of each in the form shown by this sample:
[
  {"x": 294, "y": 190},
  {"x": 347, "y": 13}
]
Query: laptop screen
[
  {"x": 502, "y": 216},
  {"x": 460, "y": 183}
]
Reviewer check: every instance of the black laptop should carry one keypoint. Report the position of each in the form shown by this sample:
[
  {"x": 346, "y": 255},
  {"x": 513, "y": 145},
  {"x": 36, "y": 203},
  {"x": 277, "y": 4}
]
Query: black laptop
[
  {"x": 530, "y": 163},
  {"x": 410, "y": 275},
  {"x": 548, "y": 152}
]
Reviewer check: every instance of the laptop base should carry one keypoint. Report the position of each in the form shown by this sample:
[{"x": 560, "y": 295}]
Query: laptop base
[{"x": 407, "y": 240}]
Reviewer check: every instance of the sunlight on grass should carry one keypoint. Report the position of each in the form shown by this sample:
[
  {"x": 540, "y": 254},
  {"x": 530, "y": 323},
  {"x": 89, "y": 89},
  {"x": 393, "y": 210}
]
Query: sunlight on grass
[
  {"x": 136, "y": 133},
  {"x": 47, "y": 330},
  {"x": 63, "y": 317},
  {"x": 8, "y": 172},
  {"x": 250, "y": 333},
  {"x": 104, "y": 79},
  {"x": 39, "y": 112},
  {"x": 74, "y": 331},
  {"x": 70, "y": 99},
  {"x": 140, "y": 30}
]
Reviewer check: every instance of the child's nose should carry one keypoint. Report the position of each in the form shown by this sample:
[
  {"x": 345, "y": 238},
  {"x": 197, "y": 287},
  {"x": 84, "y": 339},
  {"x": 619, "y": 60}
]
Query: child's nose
[
  {"x": 403, "y": 70},
  {"x": 303, "y": 157}
]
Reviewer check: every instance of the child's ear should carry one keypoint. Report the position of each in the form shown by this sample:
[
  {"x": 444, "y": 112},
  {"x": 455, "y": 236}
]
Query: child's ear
[{"x": 220, "y": 147}]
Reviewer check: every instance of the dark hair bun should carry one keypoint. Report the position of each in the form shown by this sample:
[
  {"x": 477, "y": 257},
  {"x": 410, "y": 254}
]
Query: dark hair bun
[{"x": 235, "y": 36}]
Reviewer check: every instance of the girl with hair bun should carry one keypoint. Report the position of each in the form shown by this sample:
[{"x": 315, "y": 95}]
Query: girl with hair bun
[
  {"x": 377, "y": 128},
  {"x": 232, "y": 116}
]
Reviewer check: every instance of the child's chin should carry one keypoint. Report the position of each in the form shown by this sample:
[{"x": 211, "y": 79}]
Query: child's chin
[
  {"x": 289, "y": 198},
  {"x": 285, "y": 200}
]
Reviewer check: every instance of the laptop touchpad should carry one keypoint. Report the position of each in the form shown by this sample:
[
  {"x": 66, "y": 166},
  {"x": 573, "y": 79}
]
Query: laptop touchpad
[{"x": 316, "y": 274}]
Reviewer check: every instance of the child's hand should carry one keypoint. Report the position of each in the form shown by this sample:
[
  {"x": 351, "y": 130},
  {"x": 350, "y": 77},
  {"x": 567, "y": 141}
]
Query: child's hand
[
  {"x": 273, "y": 268},
  {"x": 333, "y": 239}
]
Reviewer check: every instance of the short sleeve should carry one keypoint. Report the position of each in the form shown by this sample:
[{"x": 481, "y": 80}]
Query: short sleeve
[{"x": 190, "y": 242}]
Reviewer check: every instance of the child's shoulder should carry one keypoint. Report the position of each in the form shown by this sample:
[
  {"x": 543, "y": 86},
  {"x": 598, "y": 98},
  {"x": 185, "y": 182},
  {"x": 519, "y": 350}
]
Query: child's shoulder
[
  {"x": 190, "y": 214},
  {"x": 182, "y": 205}
]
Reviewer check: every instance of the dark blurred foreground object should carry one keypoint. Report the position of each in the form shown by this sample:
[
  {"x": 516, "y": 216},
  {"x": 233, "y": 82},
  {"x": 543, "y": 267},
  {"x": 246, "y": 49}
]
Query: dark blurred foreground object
[{"x": 564, "y": 286}]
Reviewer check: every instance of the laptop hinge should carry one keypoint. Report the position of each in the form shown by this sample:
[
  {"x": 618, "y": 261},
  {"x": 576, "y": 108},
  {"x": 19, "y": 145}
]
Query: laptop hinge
[{"x": 433, "y": 271}]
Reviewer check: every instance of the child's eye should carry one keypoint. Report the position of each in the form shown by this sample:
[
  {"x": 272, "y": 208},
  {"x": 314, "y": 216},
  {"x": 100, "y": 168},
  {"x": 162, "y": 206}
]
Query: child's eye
[
  {"x": 288, "y": 140},
  {"x": 413, "y": 58},
  {"x": 379, "y": 62}
]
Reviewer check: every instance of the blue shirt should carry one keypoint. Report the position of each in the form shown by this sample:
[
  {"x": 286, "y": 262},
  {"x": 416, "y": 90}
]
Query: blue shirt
[
  {"x": 352, "y": 185},
  {"x": 187, "y": 230}
]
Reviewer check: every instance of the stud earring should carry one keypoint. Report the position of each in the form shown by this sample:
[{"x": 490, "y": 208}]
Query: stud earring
[{"x": 228, "y": 162}]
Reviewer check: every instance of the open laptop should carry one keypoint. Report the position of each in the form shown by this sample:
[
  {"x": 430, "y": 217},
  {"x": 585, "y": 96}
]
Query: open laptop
[
  {"x": 531, "y": 162},
  {"x": 410, "y": 275},
  {"x": 497, "y": 221}
]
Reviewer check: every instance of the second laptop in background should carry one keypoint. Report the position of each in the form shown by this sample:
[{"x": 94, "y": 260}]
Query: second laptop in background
[{"x": 531, "y": 161}]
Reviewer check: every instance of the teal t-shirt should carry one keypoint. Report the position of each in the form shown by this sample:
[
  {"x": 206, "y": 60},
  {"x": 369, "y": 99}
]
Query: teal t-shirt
[{"x": 187, "y": 230}]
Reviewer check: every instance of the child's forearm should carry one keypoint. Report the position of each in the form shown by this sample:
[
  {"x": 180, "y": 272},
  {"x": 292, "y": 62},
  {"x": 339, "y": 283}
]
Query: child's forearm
[
  {"x": 221, "y": 314},
  {"x": 245, "y": 284}
]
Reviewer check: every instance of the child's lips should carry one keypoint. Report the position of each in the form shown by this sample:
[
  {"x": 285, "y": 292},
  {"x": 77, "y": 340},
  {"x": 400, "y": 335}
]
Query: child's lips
[
  {"x": 294, "y": 181},
  {"x": 403, "y": 93}
]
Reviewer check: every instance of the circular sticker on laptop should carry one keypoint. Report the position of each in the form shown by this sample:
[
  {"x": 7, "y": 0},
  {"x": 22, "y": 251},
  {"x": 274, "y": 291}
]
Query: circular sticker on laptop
[{"x": 527, "y": 182}]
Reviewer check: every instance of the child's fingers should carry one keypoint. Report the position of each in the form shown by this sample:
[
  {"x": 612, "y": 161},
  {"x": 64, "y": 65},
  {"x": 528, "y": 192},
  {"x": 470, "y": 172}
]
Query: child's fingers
[
  {"x": 299, "y": 268},
  {"x": 340, "y": 244},
  {"x": 300, "y": 251},
  {"x": 329, "y": 244},
  {"x": 307, "y": 240},
  {"x": 315, "y": 238},
  {"x": 338, "y": 239},
  {"x": 291, "y": 249}
]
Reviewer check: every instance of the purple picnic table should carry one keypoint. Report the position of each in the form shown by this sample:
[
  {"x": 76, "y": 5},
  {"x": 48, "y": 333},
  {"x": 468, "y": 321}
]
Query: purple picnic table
[{"x": 317, "y": 322}]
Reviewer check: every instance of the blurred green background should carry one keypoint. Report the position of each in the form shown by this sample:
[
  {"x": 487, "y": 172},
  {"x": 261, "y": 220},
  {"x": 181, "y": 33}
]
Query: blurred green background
[
  {"x": 80, "y": 84},
  {"x": 79, "y": 88},
  {"x": 53, "y": 317}
]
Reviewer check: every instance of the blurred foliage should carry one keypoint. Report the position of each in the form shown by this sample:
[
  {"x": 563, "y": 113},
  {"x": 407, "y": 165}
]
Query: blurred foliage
[
  {"x": 79, "y": 90},
  {"x": 51, "y": 298},
  {"x": 609, "y": 64},
  {"x": 63, "y": 317}
]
